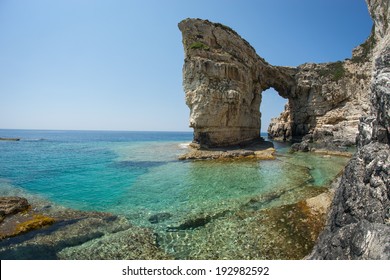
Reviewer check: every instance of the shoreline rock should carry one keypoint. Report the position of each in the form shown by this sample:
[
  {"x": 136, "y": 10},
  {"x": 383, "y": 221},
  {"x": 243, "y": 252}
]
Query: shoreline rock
[
  {"x": 262, "y": 150},
  {"x": 321, "y": 149},
  {"x": 11, "y": 205}
]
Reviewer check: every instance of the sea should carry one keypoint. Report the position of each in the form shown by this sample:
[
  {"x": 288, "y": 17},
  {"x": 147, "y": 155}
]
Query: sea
[{"x": 138, "y": 174}]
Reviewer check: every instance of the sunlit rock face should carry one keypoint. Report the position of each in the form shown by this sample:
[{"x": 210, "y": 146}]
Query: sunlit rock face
[
  {"x": 223, "y": 79},
  {"x": 328, "y": 100}
]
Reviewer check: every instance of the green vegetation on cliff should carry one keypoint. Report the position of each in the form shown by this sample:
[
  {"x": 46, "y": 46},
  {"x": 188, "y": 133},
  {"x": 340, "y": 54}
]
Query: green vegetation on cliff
[
  {"x": 367, "y": 47},
  {"x": 199, "y": 45},
  {"x": 335, "y": 70}
]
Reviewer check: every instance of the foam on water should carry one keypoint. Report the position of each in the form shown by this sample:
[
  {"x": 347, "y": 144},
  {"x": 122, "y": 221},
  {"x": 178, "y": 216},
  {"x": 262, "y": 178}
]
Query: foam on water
[{"x": 184, "y": 145}]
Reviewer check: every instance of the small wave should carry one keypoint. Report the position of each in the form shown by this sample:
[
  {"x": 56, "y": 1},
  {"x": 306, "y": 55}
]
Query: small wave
[
  {"x": 184, "y": 145},
  {"x": 33, "y": 139}
]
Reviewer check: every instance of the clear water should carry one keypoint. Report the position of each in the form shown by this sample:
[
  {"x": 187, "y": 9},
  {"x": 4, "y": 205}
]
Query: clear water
[{"x": 137, "y": 173}]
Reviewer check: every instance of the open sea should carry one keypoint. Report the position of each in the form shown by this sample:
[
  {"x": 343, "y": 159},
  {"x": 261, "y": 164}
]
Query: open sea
[{"x": 138, "y": 174}]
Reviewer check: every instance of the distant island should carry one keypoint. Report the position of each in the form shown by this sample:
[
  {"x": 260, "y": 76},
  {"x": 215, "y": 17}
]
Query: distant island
[{"x": 9, "y": 139}]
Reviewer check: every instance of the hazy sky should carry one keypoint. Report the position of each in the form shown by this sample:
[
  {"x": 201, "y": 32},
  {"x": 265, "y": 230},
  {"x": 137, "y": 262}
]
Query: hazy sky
[{"x": 117, "y": 65}]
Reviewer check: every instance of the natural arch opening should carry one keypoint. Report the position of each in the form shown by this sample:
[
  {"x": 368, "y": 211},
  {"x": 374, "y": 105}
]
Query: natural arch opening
[{"x": 275, "y": 116}]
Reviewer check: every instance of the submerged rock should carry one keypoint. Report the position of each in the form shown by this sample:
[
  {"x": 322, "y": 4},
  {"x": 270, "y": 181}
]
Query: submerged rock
[
  {"x": 301, "y": 147},
  {"x": 132, "y": 244},
  {"x": 280, "y": 232},
  {"x": 44, "y": 233},
  {"x": 159, "y": 217}
]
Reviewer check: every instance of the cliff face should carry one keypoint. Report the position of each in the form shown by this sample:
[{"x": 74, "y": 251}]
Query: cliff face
[
  {"x": 329, "y": 99},
  {"x": 223, "y": 78},
  {"x": 359, "y": 223}
]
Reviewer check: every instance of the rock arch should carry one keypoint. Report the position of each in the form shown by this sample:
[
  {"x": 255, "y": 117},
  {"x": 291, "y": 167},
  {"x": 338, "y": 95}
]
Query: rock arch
[{"x": 223, "y": 78}]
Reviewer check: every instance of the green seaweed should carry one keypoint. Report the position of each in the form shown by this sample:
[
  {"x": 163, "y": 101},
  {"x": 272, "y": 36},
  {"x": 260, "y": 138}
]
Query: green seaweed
[{"x": 199, "y": 45}]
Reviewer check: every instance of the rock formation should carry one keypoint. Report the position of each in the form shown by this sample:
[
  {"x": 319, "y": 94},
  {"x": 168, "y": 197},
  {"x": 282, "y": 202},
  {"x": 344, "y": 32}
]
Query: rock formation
[
  {"x": 359, "y": 223},
  {"x": 223, "y": 78},
  {"x": 328, "y": 101}
]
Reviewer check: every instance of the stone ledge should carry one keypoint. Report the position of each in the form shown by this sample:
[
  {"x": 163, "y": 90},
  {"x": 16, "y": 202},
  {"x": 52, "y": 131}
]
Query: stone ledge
[{"x": 262, "y": 150}]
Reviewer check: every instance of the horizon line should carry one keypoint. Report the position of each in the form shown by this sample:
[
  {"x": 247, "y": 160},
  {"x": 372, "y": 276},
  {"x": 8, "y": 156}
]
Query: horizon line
[
  {"x": 108, "y": 130},
  {"x": 100, "y": 130}
]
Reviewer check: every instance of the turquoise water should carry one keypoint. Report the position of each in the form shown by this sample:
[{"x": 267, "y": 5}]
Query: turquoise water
[{"x": 137, "y": 174}]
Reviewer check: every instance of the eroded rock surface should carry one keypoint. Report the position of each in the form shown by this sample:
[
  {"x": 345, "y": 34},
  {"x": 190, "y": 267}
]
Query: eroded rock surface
[
  {"x": 223, "y": 79},
  {"x": 11, "y": 205},
  {"x": 329, "y": 99}
]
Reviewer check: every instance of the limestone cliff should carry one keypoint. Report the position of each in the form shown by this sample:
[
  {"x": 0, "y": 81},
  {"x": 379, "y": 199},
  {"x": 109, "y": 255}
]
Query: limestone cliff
[
  {"x": 359, "y": 223},
  {"x": 223, "y": 78},
  {"x": 329, "y": 99}
]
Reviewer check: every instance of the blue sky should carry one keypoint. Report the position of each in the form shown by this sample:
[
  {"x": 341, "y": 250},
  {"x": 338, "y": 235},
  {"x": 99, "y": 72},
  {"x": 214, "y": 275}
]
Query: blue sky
[{"x": 117, "y": 65}]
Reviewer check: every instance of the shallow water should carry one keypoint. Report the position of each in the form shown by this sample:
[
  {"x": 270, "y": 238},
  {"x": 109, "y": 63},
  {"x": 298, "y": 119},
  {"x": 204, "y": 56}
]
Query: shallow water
[{"x": 137, "y": 174}]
